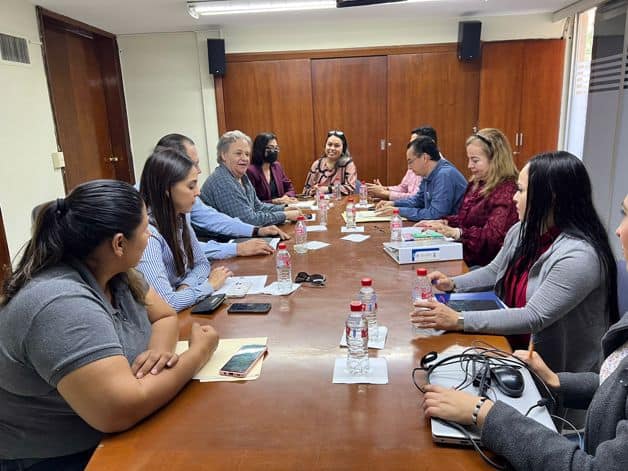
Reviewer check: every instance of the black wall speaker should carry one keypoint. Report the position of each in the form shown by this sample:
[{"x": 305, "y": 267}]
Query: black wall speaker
[
  {"x": 469, "y": 40},
  {"x": 216, "y": 56}
]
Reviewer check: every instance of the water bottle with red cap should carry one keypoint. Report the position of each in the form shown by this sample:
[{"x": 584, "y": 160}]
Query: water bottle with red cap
[
  {"x": 284, "y": 269},
  {"x": 368, "y": 298},
  {"x": 422, "y": 291},
  {"x": 356, "y": 329}
]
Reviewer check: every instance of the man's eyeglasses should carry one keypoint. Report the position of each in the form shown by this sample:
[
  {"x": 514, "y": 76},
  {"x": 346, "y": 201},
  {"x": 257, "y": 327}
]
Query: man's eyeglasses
[
  {"x": 316, "y": 280},
  {"x": 335, "y": 133}
]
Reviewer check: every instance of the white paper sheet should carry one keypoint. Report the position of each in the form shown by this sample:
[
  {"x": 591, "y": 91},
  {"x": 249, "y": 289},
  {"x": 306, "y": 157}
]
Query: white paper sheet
[
  {"x": 378, "y": 372},
  {"x": 352, "y": 229},
  {"x": 356, "y": 237},
  {"x": 273, "y": 289},
  {"x": 316, "y": 244},
  {"x": 317, "y": 228},
  {"x": 234, "y": 285}
]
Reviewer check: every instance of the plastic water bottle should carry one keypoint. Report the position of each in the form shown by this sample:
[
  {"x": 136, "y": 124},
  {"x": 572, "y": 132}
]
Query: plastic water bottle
[
  {"x": 337, "y": 193},
  {"x": 357, "y": 332},
  {"x": 364, "y": 194},
  {"x": 368, "y": 298},
  {"x": 422, "y": 291},
  {"x": 300, "y": 235},
  {"x": 284, "y": 269},
  {"x": 350, "y": 212},
  {"x": 322, "y": 210},
  {"x": 395, "y": 226}
]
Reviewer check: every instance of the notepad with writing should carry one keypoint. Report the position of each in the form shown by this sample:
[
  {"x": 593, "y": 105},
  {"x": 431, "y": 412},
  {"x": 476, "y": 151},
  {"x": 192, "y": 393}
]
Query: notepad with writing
[{"x": 225, "y": 350}]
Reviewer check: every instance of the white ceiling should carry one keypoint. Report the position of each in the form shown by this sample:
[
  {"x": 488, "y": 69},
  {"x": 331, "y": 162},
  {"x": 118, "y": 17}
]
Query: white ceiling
[{"x": 148, "y": 16}]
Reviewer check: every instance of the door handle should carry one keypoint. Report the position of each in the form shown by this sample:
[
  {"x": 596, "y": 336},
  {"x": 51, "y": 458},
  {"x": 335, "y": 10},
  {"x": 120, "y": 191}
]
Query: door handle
[
  {"x": 516, "y": 139},
  {"x": 382, "y": 144},
  {"x": 113, "y": 158},
  {"x": 521, "y": 139}
]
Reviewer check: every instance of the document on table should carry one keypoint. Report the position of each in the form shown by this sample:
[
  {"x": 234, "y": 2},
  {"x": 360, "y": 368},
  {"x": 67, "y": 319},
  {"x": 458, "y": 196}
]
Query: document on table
[
  {"x": 378, "y": 372},
  {"x": 304, "y": 204},
  {"x": 237, "y": 286},
  {"x": 369, "y": 216},
  {"x": 317, "y": 228},
  {"x": 356, "y": 237},
  {"x": 352, "y": 229},
  {"x": 225, "y": 350},
  {"x": 315, "y": 245}
]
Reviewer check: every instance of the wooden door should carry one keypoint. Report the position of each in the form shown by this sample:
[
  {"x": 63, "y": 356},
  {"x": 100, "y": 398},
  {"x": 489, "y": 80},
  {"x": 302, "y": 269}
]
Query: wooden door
[
  {"x": 87, "y": 99},
  {"x": 435, "y": 89},
  {"x": 349, "y": 94},
  {"x": 274, "y": 96},
  {"x": 500, "y": 87},
  {"x": 5, "y": 258},
  {"x": 541, "y": 94}
]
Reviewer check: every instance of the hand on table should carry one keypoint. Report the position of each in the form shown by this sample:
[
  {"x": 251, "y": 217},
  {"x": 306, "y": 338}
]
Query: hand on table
[
  {"x": 218, "y": 276},
  {"x": 377, "y": 190},
  {"x": 384, "y": 208},
  {"x": 285, "y": 199},
  {"x": 441, "y": 227},
  {"x": 441, "y": 281},
  {"x": 269, "y": 231},
  {"x": 434, "y": 315},
  {"x": 292, "y": 214},
  {"x": 539, "y": 367},
  {"x": 254, "y": 247},
  {"x": 453, "y": 405},
  {"x": 205, "y": 339}
]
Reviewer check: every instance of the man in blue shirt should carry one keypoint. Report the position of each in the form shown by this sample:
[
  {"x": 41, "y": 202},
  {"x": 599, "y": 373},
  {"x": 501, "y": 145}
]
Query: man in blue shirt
[
  {"x": 208, "y": 219},
  {"x": 442, "y": 187}
]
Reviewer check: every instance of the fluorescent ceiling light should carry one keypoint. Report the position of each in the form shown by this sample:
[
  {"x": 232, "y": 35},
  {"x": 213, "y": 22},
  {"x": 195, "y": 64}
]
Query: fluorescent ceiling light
[{"x": 227, "y": 7}]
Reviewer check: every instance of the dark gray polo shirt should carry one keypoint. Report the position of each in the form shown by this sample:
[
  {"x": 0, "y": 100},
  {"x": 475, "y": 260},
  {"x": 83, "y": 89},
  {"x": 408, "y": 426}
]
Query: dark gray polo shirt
[{"x": 58, "y": 322}]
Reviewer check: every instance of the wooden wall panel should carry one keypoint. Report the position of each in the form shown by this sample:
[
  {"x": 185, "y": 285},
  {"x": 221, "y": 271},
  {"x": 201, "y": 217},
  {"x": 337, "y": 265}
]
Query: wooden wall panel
[
  {"x": 430, "y": 89},
  {"x": 274, "y": 96},
  {"x": 500, "y": 87},
  {"x": 349, "y": 94},
  {"x": 541, "y": 97}
]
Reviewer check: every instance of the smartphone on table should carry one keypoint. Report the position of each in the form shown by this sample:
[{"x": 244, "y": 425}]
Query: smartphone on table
[
  {"x": 249, "y": 308},
  {"x": 243, "y": 360}
]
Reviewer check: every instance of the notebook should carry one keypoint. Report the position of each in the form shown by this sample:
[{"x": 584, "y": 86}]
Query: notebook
[{"x": 452, "y": 375}]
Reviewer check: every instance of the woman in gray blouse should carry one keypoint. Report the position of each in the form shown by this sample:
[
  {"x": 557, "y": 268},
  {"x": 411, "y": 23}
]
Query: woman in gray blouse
[
  {"x": 526, "y": 444},
  {"x": 556, "y": 271},
  {"x": 229, "y": 190}
]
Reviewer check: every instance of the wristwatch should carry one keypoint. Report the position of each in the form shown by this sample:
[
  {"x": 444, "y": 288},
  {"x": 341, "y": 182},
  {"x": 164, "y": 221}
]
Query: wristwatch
[
  {"x": 255, "y": 231},
  {"x": 460, "y": 323}
]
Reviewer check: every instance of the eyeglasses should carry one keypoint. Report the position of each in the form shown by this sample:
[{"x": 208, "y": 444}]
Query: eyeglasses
[
  {"x": 335, "y": 133},
  {"x": 316, "y": 280},
  {"x": 272, "y": 148},
  {"x": 411, "y": 161}
]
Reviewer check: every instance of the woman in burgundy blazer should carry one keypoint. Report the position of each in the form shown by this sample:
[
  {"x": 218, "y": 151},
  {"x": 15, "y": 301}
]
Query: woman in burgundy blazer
[
  {"x": 487, "y": 210},
  {"x": 266, "y": 174}
]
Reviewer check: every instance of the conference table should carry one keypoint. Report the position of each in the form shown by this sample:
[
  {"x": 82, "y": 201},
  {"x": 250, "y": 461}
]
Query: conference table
[{"x": 292, "y": 417}]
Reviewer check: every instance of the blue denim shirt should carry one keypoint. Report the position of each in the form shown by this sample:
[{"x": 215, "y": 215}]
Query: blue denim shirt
[{"x": 439, "y": 195}]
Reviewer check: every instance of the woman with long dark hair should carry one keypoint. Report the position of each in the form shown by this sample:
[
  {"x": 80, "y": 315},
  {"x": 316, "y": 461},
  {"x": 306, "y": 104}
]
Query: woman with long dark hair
[
  {"x": 556, "y": 271},
  {"x": 86, "y": 347},
  {"x": 173, "y": 262},
  {"x": 528, "y": 445},
  {"x": 266, "y": 173}
]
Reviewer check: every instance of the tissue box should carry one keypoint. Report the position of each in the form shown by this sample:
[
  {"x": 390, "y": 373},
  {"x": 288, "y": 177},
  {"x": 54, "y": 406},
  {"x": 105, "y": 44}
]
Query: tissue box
[{"x": 423, "y": 251}]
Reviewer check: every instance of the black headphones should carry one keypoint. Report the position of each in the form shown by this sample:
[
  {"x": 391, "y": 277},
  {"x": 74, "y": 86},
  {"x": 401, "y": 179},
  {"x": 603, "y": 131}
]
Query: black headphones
[{"x": 505, "y": 377}]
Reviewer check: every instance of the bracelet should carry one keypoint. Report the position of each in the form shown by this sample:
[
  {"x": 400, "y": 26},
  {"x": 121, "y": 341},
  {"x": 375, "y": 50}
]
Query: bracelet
[
  {"x": 476, "y": 411},
  {"x": 255, "y": 231}
]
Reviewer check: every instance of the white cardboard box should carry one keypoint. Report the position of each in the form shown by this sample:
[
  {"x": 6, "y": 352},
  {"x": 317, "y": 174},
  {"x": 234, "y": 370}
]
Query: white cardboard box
[{"x": 423, "y": 251}]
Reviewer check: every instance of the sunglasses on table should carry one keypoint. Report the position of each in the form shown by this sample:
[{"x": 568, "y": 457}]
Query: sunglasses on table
[{"x": 316, "y": 279}]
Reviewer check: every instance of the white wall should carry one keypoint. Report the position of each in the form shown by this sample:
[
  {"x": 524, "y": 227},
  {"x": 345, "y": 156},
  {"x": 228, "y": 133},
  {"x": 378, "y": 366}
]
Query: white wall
[
  {"x": 251, "y": 37},
  {"x": 166, "y": 91},
  {"x": 168, "y": 87},
  {"x": 27, "y": 136}
]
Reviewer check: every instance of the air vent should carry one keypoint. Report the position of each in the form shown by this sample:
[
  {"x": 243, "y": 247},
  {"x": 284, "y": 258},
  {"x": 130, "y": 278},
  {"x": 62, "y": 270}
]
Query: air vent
[{"x": 14, "y": 49}]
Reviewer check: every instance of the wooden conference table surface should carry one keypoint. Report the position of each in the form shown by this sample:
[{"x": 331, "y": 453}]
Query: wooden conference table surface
[{"x": 293, "y": 417}]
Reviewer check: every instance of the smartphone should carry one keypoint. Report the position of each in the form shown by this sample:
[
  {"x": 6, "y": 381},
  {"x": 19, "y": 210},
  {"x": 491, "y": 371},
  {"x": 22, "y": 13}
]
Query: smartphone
[
  {"x": 209, "y": 304},
  {"x": 249, "y": 308},
  {"x": 243, "y": 360}
]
